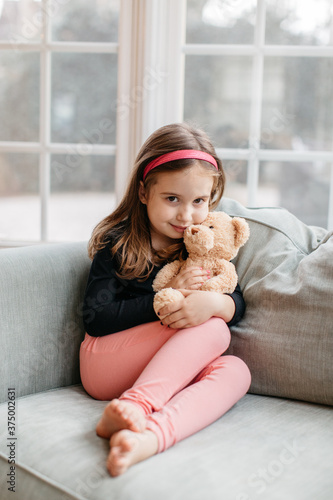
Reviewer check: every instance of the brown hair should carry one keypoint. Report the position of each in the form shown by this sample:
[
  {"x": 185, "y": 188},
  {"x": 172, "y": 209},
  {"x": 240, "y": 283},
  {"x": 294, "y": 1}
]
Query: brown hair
[{"x": 128, "y": 225}]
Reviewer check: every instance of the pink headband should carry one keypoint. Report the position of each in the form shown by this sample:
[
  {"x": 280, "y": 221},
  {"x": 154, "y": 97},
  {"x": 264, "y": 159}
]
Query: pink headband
[{"x": 179, "y": 155}]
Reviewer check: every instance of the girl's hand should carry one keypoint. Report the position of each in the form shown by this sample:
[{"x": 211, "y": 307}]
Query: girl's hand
[
  {"x": 190, "y": 278},
  {"x": 197, "y": 307}
]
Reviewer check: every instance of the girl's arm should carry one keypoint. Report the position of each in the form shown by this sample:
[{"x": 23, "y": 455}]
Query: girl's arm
[
  {"x": 198, "y": 306},
  {"x": 240, "y": 306},
  {"x": 109, "y": 304}
]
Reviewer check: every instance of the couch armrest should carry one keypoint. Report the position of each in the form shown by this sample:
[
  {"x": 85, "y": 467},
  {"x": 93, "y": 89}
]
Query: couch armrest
[{"x": 41, "y": 291}]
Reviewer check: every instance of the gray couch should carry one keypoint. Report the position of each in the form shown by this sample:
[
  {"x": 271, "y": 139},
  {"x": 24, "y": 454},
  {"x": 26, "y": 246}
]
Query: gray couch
[{"x": 276, "y": 443}]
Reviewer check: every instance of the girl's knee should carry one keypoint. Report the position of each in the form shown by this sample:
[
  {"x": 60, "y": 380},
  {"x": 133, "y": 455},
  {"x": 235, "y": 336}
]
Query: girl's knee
[
  {"x": 220, "y": 331},
  {"x": 240, "y": 369}
]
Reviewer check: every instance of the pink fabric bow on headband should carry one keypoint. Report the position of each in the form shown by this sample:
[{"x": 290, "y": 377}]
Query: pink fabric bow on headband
[{"x": 179, "y": 155}]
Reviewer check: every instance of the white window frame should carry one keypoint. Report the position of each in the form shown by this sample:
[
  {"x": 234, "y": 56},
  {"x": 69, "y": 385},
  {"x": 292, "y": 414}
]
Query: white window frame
[
  {"x": 44, "y": 147},
  {"x": 254, "y": 154},
  {"x": 151, "y": 52},
  {"x": 150, "y": 88}
]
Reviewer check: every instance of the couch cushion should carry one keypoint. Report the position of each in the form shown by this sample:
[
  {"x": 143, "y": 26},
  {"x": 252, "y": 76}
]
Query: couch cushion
[
  {"x": 41, "y": 290},
  {"x": 262, "y": 448},
  {"x": 286, "y": 273}
]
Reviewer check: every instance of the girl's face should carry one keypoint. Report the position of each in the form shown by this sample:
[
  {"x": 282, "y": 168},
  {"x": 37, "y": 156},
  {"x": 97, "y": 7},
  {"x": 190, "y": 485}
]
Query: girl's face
[{"x": 175, "y": 201}]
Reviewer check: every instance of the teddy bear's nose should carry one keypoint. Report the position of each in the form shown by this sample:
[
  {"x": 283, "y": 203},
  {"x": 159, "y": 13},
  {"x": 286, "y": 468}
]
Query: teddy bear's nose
[{"x": 194, "y": 230}]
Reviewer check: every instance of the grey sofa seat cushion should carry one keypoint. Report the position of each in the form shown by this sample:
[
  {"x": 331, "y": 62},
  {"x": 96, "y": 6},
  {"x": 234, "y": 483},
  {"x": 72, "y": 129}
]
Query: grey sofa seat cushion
[
  {"x": 286, "y": 273},
  {"x": 262, "y": 448}
]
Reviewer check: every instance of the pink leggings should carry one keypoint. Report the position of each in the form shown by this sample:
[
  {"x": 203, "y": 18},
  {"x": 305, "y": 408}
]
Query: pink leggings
[{"x": 177, "y": 378}]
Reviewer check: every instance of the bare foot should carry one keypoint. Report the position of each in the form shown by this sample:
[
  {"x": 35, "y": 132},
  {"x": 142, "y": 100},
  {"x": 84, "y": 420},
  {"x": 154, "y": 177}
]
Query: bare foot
[
  {"x": 119, "y": 415},
  {"x": 128, "y": 448}
]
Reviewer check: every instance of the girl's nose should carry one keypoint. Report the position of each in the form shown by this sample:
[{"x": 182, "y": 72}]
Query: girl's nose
[{"x": 184, "y": 214}]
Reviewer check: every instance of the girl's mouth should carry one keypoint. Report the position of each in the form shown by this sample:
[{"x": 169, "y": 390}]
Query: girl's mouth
[{"x": 179, "y": 229}]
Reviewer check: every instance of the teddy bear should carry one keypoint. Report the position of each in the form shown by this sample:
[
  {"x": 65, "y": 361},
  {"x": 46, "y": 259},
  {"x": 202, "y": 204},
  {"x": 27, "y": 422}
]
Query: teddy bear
[{"x": 210, "y": 245}]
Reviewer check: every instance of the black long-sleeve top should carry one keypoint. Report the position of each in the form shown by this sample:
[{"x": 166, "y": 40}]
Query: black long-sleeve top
[{"x": 112, "y": 304}]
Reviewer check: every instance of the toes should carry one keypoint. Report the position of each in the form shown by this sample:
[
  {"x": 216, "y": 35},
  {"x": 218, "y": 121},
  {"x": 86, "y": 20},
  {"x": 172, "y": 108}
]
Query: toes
[
  {"x": 120, "y": 409},
  {"x": 115, "y": 406},
  {"x": 131, "y": 416},
  {"x": 112, "y": 463},
  {"x": 120, "y": 443},
  {"x": 124, "y": 411},
  {"x": 120, "y": 415},
  {"x": 118, "y": 460}
]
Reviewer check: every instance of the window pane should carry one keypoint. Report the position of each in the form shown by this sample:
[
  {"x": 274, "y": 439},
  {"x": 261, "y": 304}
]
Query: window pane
[
  {"x": 19, "y": 200},
  {"x": 20, "y": 20},
  {"x": 301, "y": 188},
  {"x": 93, "y": 21},
  {"x": 82, "y": 194},
  {"x": 297, "y": 103},
  {"x": 84, "y": 98},
  {"x": 19, "y": 96},
  {"x": 220, "y": 21},
  {"x": 217, "y": 97},
  {"x": 299, "y": 22},
  {"x": 236, "y": 175}
]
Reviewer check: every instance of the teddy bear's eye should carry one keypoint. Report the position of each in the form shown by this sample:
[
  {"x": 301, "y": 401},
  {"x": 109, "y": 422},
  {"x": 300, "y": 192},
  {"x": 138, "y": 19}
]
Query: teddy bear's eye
[{"x": 211, "y": 227}]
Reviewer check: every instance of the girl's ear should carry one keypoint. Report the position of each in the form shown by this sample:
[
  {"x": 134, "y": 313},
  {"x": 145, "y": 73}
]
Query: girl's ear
[{"x": 142, "y": 193}]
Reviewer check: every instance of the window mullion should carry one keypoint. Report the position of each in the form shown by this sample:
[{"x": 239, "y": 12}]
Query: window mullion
[
  {"x": 84, "y": 47},
  {"x": 125, "y": 111},
  {"x": 150, "y": 75},
  {"x": 164, "y": 60},
  {"x": 256, "y": 104},
  {"x": 330, "y": 203},
  {"x": 45, "y": 122}
]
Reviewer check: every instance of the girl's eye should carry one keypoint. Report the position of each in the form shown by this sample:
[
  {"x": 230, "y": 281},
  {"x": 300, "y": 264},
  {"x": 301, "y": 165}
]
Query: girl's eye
[
  {"x": 172, "y": 198},
  {"x": 198, "y": 201}
]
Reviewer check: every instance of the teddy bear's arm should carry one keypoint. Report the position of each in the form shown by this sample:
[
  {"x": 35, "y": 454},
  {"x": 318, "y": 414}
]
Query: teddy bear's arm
[
  {"x": 165, "y": 275},
  {"x": 225, "y": 280}
]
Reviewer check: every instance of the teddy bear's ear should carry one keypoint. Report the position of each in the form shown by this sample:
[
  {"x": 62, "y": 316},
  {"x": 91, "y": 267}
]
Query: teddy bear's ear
[{"x": 242, "y": 231}]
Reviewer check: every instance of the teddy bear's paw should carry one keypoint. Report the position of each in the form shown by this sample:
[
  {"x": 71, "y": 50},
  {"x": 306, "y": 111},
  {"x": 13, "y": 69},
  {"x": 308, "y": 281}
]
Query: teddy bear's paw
[
  {"x": 165, "y": 297},
  {"x": 221, "y": 284},
  {"x": 212, "y": 286}
]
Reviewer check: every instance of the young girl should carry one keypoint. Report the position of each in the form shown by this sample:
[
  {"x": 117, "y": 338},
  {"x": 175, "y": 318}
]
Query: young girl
[{"x": 164, "y": 375}]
